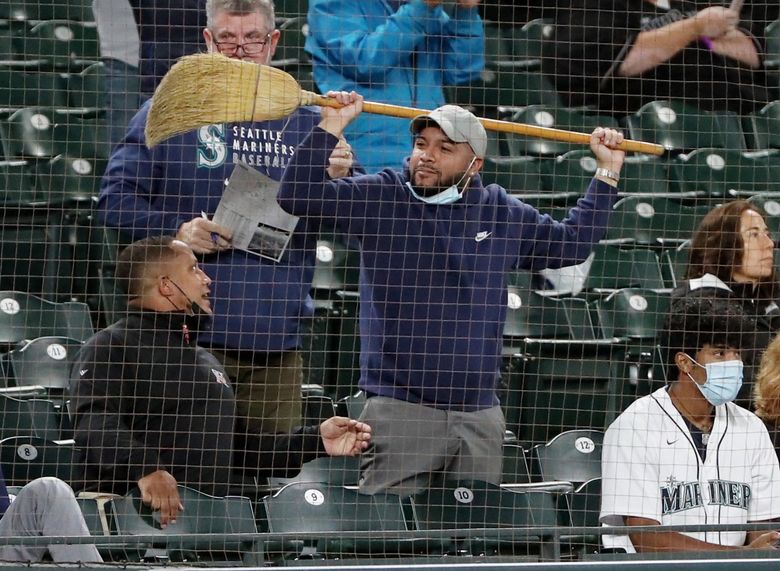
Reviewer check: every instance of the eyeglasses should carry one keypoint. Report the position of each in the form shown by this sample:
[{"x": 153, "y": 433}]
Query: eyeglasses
[{"x": 250, "y": 48}]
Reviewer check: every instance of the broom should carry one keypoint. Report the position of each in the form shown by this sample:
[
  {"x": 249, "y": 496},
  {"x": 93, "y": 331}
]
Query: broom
[{"x": 204, "y": 89}]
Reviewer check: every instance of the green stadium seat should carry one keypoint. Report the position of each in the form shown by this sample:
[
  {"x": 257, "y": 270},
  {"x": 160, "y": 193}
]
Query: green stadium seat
[
  {"x": 504, "y": 86},
  {"x": 526, "y": 43},
  {"x": 63, "y": 44},
  {"x": 86, "y": 88},
  {"x": 763, "y": 127},
  {"x": 204, "y": 532},
  {"x": 352, "y": 405},
  {"x": 42, "y": 418},
  {"x": 653, "y": 221},
  {"x": 681, "y": 127},
  {"x": 464, "y": 506},
  {"x": 337, "y": 267},
  {"x": 17, "y": 184},
  {"x": 582, "y": 508},
  {"x": 332, "y": 470},
  {"x": 572, "y": 456},
  {"x": 291, "y": 8},
  {"x": 44, "y": 362},
  {"x": 317, "y": 409},
  {"x": 35, "y": 10},
  {"x": 68, "y": 179},
  {"x": 573, "y": 171},
  {"x": 24, "y": 316},
  {"x": 518, "y": 175},
  {"x": 312, "y": 508},
  {"x": 552, "y": 117},
  {"x": 19, "y": 88},
  {"x": 637, "y": 317},
  {"x": 530, "y": 314},
  {"x": 616, "y": 268},
  {"x": 726, "y": 174},
  {"x": 673, "y": 265},
  {"x": 289, "y": 51},
  {"x": 514, "y": 466},
  {"x": 772, "y": 55},
  {"x": 26, "y": 458},
  {"x": 555, "y": 385},
  {"x": 632, "y": 313},
  {"x": 28, "y": 133}
]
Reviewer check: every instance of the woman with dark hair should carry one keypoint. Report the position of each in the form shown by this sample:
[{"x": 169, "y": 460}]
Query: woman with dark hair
[{"x": 732, "y": 256}]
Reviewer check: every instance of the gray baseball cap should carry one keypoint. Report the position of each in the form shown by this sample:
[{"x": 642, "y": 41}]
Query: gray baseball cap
[{"x": 459, "y": 125}]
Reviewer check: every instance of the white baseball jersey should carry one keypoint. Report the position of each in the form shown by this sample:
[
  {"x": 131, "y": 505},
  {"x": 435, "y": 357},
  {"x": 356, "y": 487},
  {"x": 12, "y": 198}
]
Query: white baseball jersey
[{"x": 652, "y": 469}]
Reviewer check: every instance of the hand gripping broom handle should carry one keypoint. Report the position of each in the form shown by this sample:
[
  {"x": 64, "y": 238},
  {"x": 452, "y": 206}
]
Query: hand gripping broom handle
[{"x": 309, "y": 98}]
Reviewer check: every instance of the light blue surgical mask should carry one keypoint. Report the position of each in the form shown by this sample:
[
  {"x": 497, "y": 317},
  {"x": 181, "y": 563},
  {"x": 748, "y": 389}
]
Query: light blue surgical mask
[
  {"x": 448, "y": 195},
  {"x": 724, "y": 379}
]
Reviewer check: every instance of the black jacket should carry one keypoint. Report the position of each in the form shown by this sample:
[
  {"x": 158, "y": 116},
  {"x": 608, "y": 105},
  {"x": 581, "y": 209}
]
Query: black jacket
[
  {"x": 764, "y": 313},
  {"x": 145, "y": 397}
]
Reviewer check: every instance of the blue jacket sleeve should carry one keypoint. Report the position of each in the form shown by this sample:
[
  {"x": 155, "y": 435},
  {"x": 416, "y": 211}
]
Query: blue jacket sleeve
[
  {"x": 306, "y": 190},
  {"x": 549, "y": 244},
  {"x": 362, "y": 52},
  {"x": 464, "y": 57},
  {"x": 125, "y": 200}
]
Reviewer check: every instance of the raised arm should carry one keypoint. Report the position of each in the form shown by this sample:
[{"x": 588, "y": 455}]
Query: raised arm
[
  {"x": 653, "y": 47},
  {"x": 557, "y": 244},
  {"x": 464, "y": 37},
  {"x": 363, "y": 50}
]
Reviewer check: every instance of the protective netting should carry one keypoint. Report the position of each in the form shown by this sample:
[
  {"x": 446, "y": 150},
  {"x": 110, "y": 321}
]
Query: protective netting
[{"x": 352, "y": 297}]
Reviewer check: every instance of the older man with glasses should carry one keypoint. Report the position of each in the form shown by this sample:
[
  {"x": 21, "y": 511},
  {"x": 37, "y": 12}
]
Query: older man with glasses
[{"x": 259, "y": 304}]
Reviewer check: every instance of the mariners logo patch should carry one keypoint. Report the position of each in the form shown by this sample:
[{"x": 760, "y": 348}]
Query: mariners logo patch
[{"x": 220, "y": 377}]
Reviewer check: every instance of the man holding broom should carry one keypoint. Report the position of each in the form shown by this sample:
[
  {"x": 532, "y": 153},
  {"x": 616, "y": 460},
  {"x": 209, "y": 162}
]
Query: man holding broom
[
  {"x": 436, "y": 248},
  {"x": 174, "y": 188}
]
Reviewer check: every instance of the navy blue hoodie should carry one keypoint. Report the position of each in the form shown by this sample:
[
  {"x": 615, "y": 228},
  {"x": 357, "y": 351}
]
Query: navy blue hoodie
[
  {"x": 257, "y": 304},
  {"x": 433, "y": 278}
]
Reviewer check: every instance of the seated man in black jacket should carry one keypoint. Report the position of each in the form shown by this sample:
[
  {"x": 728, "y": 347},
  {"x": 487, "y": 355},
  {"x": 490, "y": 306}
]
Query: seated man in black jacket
[{"x": 152, "y": 409}]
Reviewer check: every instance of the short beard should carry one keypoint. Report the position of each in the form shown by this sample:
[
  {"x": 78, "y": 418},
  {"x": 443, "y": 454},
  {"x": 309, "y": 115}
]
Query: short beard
[{"x": 433, "y": 190}]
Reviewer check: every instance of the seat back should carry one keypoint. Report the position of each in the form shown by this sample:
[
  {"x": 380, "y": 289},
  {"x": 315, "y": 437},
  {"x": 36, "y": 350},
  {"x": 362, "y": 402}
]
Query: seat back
[
  {"x": 24, "y": 316},
  {"x": 333, "y": 470},
  {"x": 33, "y": 417},
  {"x": 633, "y": 313},
  {"x": 615, "y": 268},
  {"x": 514, "y": 468},
  {"x": 653, "y": 221},
  {"x": 45, "y": 362},
  {"x": 207, "y": 523},
  {"x": 680, "y": 127},
  {"x": 26, "y": 458},
  {"x": 554, "y": 117},
  {"x": 572, "y": 456}
]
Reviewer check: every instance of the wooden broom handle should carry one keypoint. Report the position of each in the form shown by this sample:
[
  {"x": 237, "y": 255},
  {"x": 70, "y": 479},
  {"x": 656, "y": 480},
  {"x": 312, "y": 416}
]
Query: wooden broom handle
[{"x": 562, "y": 135}]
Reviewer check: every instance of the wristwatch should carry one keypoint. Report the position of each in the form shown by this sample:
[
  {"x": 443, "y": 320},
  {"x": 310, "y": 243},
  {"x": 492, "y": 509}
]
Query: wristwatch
[{"x": 606, "y": 173}]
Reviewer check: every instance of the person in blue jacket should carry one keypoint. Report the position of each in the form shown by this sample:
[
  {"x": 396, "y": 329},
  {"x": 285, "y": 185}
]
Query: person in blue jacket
[
  {"x": 394, "y": 52},
  {"x": 259, "y": 304},
  {"x": 436, "y": 249},
  {"x": 44, "y": 507}
]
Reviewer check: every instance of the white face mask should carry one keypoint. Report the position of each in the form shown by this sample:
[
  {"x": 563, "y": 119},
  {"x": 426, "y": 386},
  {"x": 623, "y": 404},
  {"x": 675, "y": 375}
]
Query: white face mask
[{"x": 448, "y": 195}]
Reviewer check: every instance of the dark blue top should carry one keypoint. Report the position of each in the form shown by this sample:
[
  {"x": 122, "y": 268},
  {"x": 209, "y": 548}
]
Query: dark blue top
[
  {"x": 433, "y": 295},
  {"x": 257, "y": 303}
]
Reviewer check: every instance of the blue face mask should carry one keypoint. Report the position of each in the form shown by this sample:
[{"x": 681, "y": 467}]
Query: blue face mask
[
  {"x": 724, "y": 379},
  {"x": 448, "y": 195}
]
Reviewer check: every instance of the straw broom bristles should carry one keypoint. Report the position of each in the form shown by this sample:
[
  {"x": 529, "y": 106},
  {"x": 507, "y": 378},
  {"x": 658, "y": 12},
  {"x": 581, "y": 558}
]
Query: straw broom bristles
[{"x": 204, "y": 89}]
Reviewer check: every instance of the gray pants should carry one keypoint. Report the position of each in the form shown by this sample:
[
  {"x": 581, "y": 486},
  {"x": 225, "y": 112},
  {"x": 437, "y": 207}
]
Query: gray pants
[
  {"x": 414, "y": 446},
  {"x": 46, "y": 507}
]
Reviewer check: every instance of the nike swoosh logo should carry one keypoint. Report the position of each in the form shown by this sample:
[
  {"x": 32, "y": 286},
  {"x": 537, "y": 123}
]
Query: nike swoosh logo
[
  {"x": 83, "y": 372},
  {"x": 670, "y": 442},
  {"x": 481, "y": 236}
]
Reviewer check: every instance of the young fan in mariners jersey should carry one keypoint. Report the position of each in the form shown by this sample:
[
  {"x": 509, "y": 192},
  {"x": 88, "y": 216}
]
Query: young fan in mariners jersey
[{"x": 686, "y": 454}]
